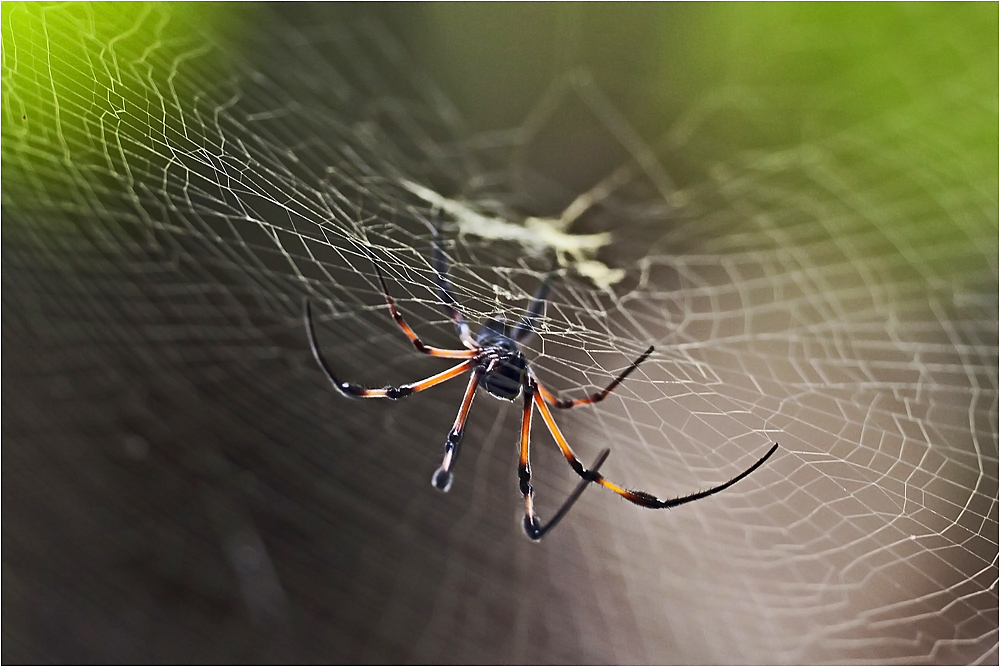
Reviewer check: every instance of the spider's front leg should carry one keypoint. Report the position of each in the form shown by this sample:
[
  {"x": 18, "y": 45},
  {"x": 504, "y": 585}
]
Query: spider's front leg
[
  {"x": 442, "y": 476},
  {"x": 411, "y": 334},
  {"x": 352, "y": 390}
]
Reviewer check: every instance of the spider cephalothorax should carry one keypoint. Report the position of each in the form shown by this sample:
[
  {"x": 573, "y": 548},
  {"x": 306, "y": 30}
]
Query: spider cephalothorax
[{"x": 497, "y": 362}]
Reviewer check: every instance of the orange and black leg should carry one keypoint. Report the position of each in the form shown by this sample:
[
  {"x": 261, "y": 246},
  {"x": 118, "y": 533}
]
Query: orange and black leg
[
  {"x": 442, "y": 476},
  {"x": 566, "y": 403},
  {"x": 352, "y": 390},
  {"x": 417, "y": 343},
  {"x": 638, "y": 497},
  {"x": 532, "y": 524}
]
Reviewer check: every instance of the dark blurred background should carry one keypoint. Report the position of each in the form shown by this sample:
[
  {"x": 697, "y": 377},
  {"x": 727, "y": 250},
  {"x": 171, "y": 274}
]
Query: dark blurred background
[{"x": 819, "y": 187}]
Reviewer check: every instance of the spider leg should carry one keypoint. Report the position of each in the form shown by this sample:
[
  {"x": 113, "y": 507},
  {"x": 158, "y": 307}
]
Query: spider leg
[
  {"x": 638, "y": 497},
  {"x": 417, "y": 343},
  {"x": 540, "y": 531},
  {"x": 444, "y": 293},
  {"x": 532, "y": 525},
  {"x": 647, "y": 500},
  {"x": 352, "y": 390},
  {"x": 566, "y": 403},
  {"x": 442, "y": 476},
  {"x": 536, "y": 310}
]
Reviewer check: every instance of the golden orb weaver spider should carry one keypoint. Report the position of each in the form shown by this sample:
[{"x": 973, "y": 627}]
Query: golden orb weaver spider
[{"x": 497, "y": 363}]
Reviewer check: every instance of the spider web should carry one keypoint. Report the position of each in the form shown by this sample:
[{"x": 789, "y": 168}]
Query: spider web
[{"x": 813, "y": 255}]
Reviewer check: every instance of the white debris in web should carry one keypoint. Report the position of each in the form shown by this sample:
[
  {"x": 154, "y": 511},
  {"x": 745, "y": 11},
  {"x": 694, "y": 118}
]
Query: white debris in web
[{"x": 537, "y": 234}]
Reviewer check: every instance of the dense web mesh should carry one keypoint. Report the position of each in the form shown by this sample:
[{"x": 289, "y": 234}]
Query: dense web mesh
[{"x": 182, "y": 484}]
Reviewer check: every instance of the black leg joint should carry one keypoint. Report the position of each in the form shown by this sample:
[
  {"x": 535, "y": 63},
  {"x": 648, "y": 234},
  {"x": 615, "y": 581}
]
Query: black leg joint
[
  {"x": 529, "y": 390},
  {"x": 524, "y": 477},
  {"x": 648, "y": 499},
  {"x": 396, "y": 393}
]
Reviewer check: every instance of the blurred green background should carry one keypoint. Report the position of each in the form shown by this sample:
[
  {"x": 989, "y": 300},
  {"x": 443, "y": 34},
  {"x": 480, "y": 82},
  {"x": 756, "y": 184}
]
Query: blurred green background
[{"x": 758, "y": 76}]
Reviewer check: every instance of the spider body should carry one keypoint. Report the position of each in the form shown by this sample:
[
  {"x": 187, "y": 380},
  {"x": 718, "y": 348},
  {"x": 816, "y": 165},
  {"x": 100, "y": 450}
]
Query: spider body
[
  {"x": 495, "y": 361},
  {"x": 503, "y": 365}
]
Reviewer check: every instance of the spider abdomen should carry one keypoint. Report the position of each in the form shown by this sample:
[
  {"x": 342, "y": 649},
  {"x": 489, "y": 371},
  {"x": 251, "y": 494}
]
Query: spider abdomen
[{"x": 504, "y": 376}]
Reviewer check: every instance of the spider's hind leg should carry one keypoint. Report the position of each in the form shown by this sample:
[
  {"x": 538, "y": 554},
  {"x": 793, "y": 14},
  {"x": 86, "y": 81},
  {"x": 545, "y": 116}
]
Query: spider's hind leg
[
  {"x": 638, "y": 497},
  {"x": 532, "y": 524}
]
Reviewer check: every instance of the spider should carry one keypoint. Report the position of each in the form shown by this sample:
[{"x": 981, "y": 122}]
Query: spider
[{"x": 497, "y": 363}]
